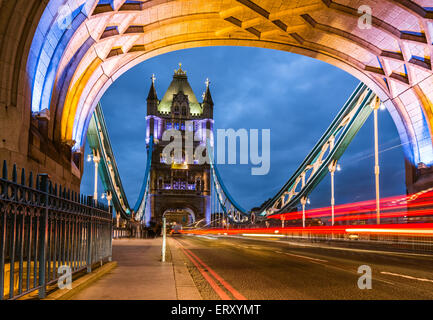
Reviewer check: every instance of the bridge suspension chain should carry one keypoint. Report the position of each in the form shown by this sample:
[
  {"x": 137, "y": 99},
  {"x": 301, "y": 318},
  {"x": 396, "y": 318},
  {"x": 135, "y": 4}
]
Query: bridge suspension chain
[
  {"x": 325, "y": 154},
  {"x": 313, "y": 169},
  {"x": 231, "y": 210},
  {"x": 99, "y": 142},
  {"x": 141, "y": 205}
]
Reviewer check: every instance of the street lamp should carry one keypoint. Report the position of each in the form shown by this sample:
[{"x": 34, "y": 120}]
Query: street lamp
[
  {"x": 375, "y": 107},
  {"x": 96, "y": 160},
  {"x": 332, "y": 167},
  {"x": 303, "y": 202},
  {"x": 107, "y": 196}
]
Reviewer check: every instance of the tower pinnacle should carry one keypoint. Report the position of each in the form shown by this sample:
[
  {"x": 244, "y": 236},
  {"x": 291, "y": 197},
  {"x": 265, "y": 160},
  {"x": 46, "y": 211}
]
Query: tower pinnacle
[
  {"x": 180, "y": 72},
  {"x": 207, "y": 97},
  {"x": 152, "y": 92}
]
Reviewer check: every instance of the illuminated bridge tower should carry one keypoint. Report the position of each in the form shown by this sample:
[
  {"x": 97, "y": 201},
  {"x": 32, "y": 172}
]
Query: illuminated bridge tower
[{"x": 181, "y": 191}]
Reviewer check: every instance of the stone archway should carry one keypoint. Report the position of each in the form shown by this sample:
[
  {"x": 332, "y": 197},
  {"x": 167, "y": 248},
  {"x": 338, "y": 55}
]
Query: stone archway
[{"x": 59, "y": 57}]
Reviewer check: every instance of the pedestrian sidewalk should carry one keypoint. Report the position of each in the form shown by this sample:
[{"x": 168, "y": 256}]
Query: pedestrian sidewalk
[{"x": 140, "y": 275}]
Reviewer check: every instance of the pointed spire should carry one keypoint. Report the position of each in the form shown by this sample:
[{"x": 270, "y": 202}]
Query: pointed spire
[
  {"x": 207, "y": 98},
  {"x": 152, "y": 92}
]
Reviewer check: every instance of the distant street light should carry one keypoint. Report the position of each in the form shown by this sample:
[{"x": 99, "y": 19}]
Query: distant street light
[
  {"x": 96, "y": 160},
  {"x": 332, "y": 167},
  {"x": 303, "y": 202}
]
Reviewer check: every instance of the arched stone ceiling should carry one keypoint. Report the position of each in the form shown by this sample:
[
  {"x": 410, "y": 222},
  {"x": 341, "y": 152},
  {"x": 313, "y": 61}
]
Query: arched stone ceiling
[{"x": 80, "y": 47}]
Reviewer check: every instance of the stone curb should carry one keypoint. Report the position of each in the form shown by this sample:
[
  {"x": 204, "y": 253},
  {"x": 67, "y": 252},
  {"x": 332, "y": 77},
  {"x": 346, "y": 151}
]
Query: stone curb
[{"x": 185, "y": 287}]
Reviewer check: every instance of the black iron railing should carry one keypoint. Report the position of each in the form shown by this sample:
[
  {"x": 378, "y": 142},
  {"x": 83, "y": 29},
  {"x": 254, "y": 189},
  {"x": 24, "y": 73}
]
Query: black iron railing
[{"x": 45, "y": 228}]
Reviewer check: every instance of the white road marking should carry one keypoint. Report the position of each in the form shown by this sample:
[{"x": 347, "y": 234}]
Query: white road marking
[
  {"x": 406, "y": 276},
  {"x": 266, "y": 235},
  {"x": 305, "y": 257},
  {"x": 206, "y": 237}
]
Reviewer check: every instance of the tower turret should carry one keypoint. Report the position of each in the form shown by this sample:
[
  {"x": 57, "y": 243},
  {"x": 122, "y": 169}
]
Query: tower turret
[
  {"x": 179, "y": 189},
  {"x": 207, "y": 102},
  {"x": 152, "y": 99}
]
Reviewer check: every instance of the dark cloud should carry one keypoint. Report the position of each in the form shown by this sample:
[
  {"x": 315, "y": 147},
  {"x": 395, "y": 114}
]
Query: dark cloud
[{"x": 294, "y": 96}]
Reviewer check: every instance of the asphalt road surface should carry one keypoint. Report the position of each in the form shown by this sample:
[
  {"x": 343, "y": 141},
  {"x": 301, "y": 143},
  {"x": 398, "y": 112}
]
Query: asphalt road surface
[{"x": 234, "y": 268}]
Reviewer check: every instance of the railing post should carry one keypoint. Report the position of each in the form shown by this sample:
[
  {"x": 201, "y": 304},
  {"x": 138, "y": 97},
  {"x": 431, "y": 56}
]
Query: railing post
[
  {"x": 43, "y": 238},
  {"x": 89, "y": 236},
  {"x": 3, "y": 227},
  {"x": 110, "y": 210}
]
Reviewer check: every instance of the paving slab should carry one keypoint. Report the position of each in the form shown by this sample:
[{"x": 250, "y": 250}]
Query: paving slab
[{"x": 140, "y": 274}]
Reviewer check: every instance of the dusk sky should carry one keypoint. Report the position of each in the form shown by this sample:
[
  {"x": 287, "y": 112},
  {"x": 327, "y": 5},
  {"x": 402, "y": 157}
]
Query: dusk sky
[{"x": 296, "y": 97}]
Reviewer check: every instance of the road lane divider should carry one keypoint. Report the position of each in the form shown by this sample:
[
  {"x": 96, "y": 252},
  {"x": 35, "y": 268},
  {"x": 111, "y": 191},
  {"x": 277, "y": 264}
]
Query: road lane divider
[
  {"x": 301, "y": 256},
  {"x": 406, "y": 276},
  {"x": 220, "y": 292},
  {"x": 232, "y": 290},
  {"x": 305, "y": 257},
  {"x": 193, "y": 257}
]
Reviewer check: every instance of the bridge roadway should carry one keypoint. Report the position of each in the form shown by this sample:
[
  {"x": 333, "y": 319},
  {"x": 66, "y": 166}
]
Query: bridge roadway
[{"x": 273, "y": 269}]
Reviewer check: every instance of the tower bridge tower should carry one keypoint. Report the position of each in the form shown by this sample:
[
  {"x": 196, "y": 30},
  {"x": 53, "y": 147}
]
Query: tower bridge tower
[{"x": 181, "y": 190}]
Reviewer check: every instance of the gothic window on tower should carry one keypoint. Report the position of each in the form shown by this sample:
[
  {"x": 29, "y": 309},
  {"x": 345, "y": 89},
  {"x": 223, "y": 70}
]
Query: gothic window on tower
[
  {"x": 176, "y": 110},
  {"x": 184, "y": 111},
  {"x": 176, "y": 185},
  {"x": 191, "y": 185},
  {"x": 182, "y": 185},
  {"x": 160, "y": 183}
]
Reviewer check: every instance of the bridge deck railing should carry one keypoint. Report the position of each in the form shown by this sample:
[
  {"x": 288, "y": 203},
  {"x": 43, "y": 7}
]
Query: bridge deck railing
[
  {"x": 47, "y": 233},
  {"x": 407, "y": 243}
]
